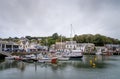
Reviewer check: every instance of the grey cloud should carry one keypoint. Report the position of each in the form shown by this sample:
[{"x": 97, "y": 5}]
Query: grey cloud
[{"x": 44, "y": 17}]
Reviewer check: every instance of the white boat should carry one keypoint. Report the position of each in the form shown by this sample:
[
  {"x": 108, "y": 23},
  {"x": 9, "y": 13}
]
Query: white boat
[
  {"x": 43, "y": 60},
  {"x": 74, "y": 54},
  {"x": 32, "y": 56},
  {"x": 9, "y": 58},
  {"x": 60, "y": 56},
  {"x": 12, "y": 57},
  {"x": 63, "y": 58},
  {"x": 48, "y": 60}
]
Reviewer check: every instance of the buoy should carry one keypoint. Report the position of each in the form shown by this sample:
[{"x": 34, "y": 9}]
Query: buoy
[
  {"x": 93, "y": 65},
  {"x": 95, "y": 58},
  {"x": 91, "y": 62}
]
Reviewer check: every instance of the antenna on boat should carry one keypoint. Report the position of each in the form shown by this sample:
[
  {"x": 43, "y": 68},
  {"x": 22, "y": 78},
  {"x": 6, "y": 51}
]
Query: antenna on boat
[
  {"x": 71, "y": 34},
  {"x": 71, "y": 40},
  {"x": 61, "y": 41}
]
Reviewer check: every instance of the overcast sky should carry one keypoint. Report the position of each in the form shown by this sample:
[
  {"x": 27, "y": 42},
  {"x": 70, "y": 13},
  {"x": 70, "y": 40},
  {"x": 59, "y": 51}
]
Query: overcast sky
[{"x": 45, "y": 17}]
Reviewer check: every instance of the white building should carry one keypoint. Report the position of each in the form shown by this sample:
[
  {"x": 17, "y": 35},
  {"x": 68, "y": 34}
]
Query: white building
[
  {"x": 60, "y": 46},
  {"x": 88, "y": 47},
  {"x": 71, "y": 45},
  {"x": 24, "y": 43}
]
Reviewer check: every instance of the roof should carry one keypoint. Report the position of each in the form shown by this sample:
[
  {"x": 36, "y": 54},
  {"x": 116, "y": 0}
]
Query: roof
[
  {"x": 70, "y": 42},
  {"x": 3, "y": 42},
  {"x": 8, "y": 43}
]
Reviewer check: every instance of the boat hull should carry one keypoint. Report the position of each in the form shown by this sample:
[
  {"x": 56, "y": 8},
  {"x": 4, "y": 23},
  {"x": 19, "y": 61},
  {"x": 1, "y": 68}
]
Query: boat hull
[
  {"x": 63, "y": 59},
  {"x": 48, "y": 60},
  {"x": 75, "y": 57}
]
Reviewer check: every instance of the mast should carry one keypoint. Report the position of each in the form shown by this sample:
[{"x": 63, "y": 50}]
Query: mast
[
  {"x": 71, "y": 34},
  {"x": 71, "y": 40},
  {"x": 61, "y": 42}
]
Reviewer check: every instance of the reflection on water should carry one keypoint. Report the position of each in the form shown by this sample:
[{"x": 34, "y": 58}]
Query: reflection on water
[
  {"x": 83, "y": 63},
  {"x": 7, "y": 64},
  {"x": 95, "y": 67}
]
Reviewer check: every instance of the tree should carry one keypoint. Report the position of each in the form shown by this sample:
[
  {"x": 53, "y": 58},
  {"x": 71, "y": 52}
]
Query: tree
[
  {"x": 15, "y": 39},
  {"x": 28, "y": 37},
  {"x": 55, "y": 36},
  {"x": 10, "y": 39},
  {"x": 98, "y": 40}
]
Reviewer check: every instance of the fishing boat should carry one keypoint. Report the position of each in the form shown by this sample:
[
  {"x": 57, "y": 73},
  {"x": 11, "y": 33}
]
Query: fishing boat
[
  {"x": 9, "y": 58},
  {"x": 48, "y": 60},
  {"x": 62, "y": 58},
  {"x": 74, "y": 54},
  {"x": 12, "y": 58}
]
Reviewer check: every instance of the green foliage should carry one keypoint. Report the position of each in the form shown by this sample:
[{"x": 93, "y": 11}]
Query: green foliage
[
  {"x": 28, "y": 37},
  {"x": 98, "y": 40},
  {"x": 55, "y": 36},
  {"x": 52, "y": 39}
]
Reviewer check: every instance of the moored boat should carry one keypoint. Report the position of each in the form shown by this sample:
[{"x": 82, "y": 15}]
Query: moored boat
[
  {"x": 63, "y": 58},
  {"x": 47, "y": 60},
  {"x": 12, "y": 58},
  {"x": 74, "y": 54}
]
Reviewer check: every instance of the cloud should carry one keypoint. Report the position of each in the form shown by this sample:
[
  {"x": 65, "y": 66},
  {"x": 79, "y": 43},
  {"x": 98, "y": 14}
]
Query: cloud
[{"x": 45, "y": 17}]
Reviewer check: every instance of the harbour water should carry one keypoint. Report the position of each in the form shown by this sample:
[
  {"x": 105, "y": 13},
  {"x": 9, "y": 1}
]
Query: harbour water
[{"x": 90, "y": 67}]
